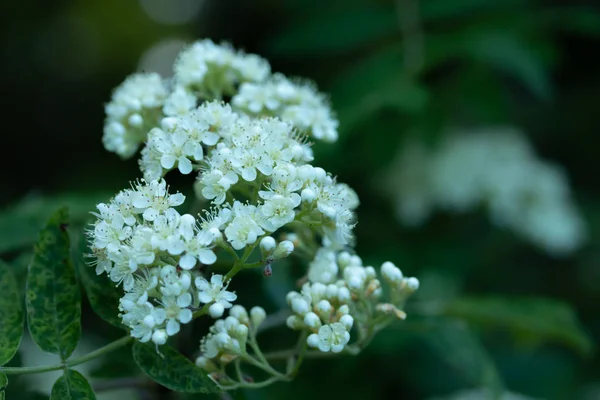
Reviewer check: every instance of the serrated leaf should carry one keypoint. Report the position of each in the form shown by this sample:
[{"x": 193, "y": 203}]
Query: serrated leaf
[
  {"x": 72, "y": 386},
  {"x": 52, "y": 296},
  {"x": 545, "y": 320},
  {"x": 338, "y": 31},
  {"x": 11, "y": 314},
  {"x": 21, "y": 222},
  {"x": 457, "y": 345},
  {"x": 171, "y": 369},
  {"x": 101, "y": 292}
]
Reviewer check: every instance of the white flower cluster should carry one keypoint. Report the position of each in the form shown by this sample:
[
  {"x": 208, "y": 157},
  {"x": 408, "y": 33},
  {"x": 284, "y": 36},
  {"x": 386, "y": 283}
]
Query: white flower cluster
[
  {"x": 341, "y": 290},
  {"x": 238, "y": 152},
  {"x": 300, "y": 104},
  {"x": 135, "y": 107},
  {"x": 143, "y": 243},
  {"x": 213, "y": 70},
  {"x": 496, "y": 168},
  {"x": 207, "y": 71},
  {"x": 254, "y": 172},
  {"x": 228, "y": 337}
]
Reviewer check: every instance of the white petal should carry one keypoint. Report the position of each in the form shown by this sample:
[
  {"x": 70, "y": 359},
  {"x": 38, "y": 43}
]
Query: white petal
[
  {"x": 167, "y": 161},
  {"x": 187, "y": 262},
  {"x": 185, "y": 165},
  {"x": 172, "y": 327},
  {"x": 207, "y": 257}
]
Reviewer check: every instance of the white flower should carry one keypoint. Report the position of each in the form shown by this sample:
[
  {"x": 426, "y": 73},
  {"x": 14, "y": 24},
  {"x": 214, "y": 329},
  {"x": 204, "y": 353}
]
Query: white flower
[
  {"x": 176, "y": 312},
  {"x": 244, "y": 228},
  {"x": 198, "y": 248},
  {"x": 333, "y": 337},
  {"x": 179, "y": 102},
  {"x": 152, "y": 199},
  {"x": 277, "y": 212},
  {"x": 214, "y": 291},
  {"x": 216, "y": 184},
  {"x": 134, "y": 104}
]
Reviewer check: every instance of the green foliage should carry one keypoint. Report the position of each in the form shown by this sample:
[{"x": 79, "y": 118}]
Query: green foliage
[
  {"x": 336, "y": 32},
  {"x": 72, "y": 386},
  {"x": 11, "y": 314},
  {"x": 3, "y": 384},
  {"x": 52, "y": 295},
  {"x": 21, "y": 222},
  {"x": 102, "y": 293},
  {"x": 171, "y": 369},
  {"x": 457, "y": 345},
  {"x": 532, "y": 319}
]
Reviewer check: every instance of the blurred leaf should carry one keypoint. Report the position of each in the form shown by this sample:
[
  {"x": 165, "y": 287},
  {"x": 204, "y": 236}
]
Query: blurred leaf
[
  {"x": 533, "y": 318},
  {"x": 102, "y": 293},
  {"x": 72, "y": 386},
  {"x": 3, "y": 381},
  {"x": 171, "y": 369},
  {"x": 335, "y": 32},
  {"x": 120, "y": 364},
  {"x": 52, "y": 295},
  {"x": 20, "y": 223},
  {"x": 583, "y": 20},
  {"x": 368, "y": 87},
  {"x": 454, "y": 342},
  {"x": 513, "y": 55},
  {"x": 445, "y": 10},
  {"x": 11, "y": 314}
]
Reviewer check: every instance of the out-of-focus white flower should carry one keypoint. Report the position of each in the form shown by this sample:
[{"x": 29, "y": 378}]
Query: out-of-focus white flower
[{"x": 496, "y": 168}]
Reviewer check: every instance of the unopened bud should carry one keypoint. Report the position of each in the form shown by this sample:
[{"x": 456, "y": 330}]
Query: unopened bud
[
  {"x": 283, "y": 249},
  {"x": 267, "y": 245},
  {"x": 257, "y": 316}
]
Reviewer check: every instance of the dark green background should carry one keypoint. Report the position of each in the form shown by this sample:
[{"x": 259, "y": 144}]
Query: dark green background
[{"x": 61, "y": 59}]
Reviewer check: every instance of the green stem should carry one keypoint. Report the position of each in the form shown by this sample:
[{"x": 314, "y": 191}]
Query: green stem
[{"x": 69, "y": 363}]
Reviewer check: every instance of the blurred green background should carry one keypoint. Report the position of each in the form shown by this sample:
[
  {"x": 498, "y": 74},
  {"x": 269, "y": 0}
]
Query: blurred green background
[{"x": 492, "y": 311}]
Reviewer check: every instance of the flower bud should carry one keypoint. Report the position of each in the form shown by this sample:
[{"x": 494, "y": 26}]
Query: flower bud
[
  {"x": 300, "y": 305},
  {"x": 313, "y": 340},
  {"x": 391, "y": 273},
  {"x": 347, "y": 321},
  {"x": 308, "y": 195},
  {"x": 312, "y": 320},
  {"x": 267, "y": 245},
  {"x": 324, "y": 308},
  {"x": 216, "y": 310},
  {"x": 135, "y": 120},
  {"x": 283, "y": 249},
  {"x": 344, "y": 259},
  {"x": 257, "y": 316},
  {"x": 294, "y": 322},
  {"x": 159, "y": 337},
  {"x": 240, "y": 313},
  {"x": 412, "y": 284},
  {"x": 168, "y": 123}
]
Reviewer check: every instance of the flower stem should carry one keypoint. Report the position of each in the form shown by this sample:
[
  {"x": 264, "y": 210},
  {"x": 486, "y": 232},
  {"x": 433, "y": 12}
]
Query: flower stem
[{"x": 69, "y": 363}]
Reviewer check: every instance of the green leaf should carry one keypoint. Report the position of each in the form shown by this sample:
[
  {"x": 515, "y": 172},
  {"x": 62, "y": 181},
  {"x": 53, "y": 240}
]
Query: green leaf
[
  {"x": 102, "y": 293},
  {"x": 11, "y": 314},
  {"x": 72, "y": 386},
  {"x": 20, "y": 223},
  {"x": 338, "y": 31},
  {"x": 52, "y": 295},
  {"x": 538, "y": 319},
  {"x": 171, "y": 369},
  {"x": 368, "y": 87},
  {"x": 456, "y": 344},
  {"x": 3, "y": 381},
  {"x": 514, "y": 56}
]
